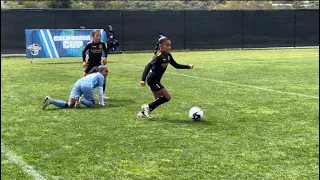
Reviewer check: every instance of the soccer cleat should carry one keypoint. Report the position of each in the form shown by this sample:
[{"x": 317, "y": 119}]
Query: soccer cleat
[
  {"x": 141, "y": 115},
  {"x": 146, "y": 110},
  {"x": 77, "y": 103},
  {"x": 46, "y": 102}
]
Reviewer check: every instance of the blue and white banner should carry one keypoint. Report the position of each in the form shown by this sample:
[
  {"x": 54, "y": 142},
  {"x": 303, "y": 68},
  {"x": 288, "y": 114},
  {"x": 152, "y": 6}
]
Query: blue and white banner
[{"x": 55, "y": 43}]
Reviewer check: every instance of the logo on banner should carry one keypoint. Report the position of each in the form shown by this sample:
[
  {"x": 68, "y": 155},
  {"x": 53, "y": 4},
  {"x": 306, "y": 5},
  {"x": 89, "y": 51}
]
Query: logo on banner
[
  {"x": 34, "y": 49},
  {"x": 71, "y": 41}
]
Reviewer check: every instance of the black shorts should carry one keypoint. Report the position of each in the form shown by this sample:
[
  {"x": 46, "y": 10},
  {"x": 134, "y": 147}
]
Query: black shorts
[
  {"x": 89, "y": 68},
  {"x": 154, "y": 84}
]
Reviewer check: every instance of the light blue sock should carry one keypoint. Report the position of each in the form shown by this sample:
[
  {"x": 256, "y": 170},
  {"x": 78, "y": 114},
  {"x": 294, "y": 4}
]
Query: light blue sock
[
  {"x": 87, "y": 103},
  {"x": 59, "y": 103}
]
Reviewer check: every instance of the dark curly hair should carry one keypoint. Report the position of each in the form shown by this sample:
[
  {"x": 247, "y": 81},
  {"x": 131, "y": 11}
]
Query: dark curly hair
[{"x": 160, "y": 40}]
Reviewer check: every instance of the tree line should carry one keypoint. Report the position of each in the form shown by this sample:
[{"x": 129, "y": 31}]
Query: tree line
[{"x": 153, "y": 4}]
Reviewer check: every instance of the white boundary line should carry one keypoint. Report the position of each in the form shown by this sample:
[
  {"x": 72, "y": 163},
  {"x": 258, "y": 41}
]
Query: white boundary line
[
  {"x": 237, "y": 84},
  {"x": 19, "y": 162}
]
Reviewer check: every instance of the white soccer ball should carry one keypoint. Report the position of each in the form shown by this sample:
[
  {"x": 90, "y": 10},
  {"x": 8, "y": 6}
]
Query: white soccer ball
[{"x": 196, "y": 113}]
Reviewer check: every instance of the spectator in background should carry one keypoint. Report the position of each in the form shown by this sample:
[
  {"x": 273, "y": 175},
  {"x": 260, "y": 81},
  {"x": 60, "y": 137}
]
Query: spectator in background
[
  {"x": 112, "y": 42},
  {"x": 82, "y": 27}
]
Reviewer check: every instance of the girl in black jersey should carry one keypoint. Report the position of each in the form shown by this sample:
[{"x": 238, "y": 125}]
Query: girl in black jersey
[
  {"x": 153, "y": 72},
  {"x": 94, "y": 48}
]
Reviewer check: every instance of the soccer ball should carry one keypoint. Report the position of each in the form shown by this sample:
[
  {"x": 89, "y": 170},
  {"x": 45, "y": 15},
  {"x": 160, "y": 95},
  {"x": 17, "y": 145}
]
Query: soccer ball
[{"x": 196, "y": 113}]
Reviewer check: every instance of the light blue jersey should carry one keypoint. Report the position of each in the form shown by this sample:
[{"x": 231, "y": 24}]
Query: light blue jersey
[
  {"x": 86, "y": 85},
  {"x": 94, "y": 80}
]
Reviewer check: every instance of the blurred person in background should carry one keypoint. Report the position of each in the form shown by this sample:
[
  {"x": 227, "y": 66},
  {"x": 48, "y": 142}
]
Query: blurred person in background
[{"x": 112, "y": 42}]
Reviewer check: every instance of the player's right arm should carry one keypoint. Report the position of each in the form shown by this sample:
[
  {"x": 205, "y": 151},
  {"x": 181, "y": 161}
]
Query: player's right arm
[{"x": 84, "y": 63}]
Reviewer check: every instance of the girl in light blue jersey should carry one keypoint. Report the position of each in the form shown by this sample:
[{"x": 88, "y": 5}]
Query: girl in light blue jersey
[{"x": 83, "y": 86}]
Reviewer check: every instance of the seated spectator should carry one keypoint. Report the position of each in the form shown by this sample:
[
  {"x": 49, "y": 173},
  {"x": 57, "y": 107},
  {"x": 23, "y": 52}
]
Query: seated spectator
[{"x": 112, "y": 42}]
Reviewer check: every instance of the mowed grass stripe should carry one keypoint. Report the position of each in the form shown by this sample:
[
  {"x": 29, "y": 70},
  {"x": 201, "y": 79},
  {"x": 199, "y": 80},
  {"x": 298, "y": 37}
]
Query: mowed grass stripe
[{"x": 236, "y": 84}]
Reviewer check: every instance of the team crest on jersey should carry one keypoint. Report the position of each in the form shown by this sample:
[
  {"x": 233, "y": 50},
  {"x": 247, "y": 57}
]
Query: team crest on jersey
[
  {"x": 100, "y": 46},
  {"x": 34, "y": 49},
  {"x": 164, "y": 65}
]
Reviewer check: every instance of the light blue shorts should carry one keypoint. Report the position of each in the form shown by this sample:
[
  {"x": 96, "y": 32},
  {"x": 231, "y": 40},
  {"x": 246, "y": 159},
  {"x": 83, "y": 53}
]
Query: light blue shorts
[{"x": 78, "y": 90}]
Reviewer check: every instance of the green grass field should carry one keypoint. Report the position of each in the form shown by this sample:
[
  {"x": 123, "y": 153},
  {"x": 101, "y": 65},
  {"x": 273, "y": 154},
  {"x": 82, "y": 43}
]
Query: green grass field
[{"x": 260, "y": 119}]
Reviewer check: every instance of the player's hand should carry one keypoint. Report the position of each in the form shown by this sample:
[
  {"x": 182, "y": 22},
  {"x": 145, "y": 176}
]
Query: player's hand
[
  {"x": 191, "y": 66},
  {"x": 93, "y": 69},
  {"x": 84, "y": 64},
  {"x": 142, "y": 83},
  {"x": 104, "y": 61}
]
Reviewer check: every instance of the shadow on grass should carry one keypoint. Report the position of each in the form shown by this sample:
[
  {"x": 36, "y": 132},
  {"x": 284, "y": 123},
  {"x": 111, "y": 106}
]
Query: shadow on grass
[
  {"x": 110, "y": 103},
  {"x": 58, "y": 63},
  {"x": 75, "y": 109},
  {"x": 53, "y": 109},
  {"x": 118, "y": 102},
  {"x": 182, "y": 121}
]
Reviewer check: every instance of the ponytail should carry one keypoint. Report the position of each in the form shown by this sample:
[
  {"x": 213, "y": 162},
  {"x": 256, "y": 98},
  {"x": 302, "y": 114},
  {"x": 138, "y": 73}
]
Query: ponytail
[
  {"x": 156, "y": 48},
  {"x": 160, "y": 41}
]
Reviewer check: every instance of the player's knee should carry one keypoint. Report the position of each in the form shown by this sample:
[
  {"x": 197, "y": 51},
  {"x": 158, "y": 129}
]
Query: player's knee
[
  {"x": 69, "y": 105},
  {"x": 92, "y": 104},
  {"x": 167, "y": 98}
]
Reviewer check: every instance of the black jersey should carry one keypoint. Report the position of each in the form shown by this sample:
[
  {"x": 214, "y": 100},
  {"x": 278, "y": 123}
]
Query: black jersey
[
  {"x": 158, "y": 66},
  {"x": 95, "y": 52}
]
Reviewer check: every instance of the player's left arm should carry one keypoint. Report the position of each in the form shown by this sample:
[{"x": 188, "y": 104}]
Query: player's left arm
[
  {"x": 104, "y": 48},
  {"x": 100, "y": 90},
  {"x": 179, "y": 66}
]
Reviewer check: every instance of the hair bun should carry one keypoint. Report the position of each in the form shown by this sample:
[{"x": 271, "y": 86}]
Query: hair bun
[{"x": 101, "y": 67}]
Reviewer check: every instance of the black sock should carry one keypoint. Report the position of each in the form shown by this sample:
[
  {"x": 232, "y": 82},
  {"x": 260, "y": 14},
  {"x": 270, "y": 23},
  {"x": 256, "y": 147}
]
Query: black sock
[
  {"x": 157, "y": 103},
  {"x": 104, "y": 87}
]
